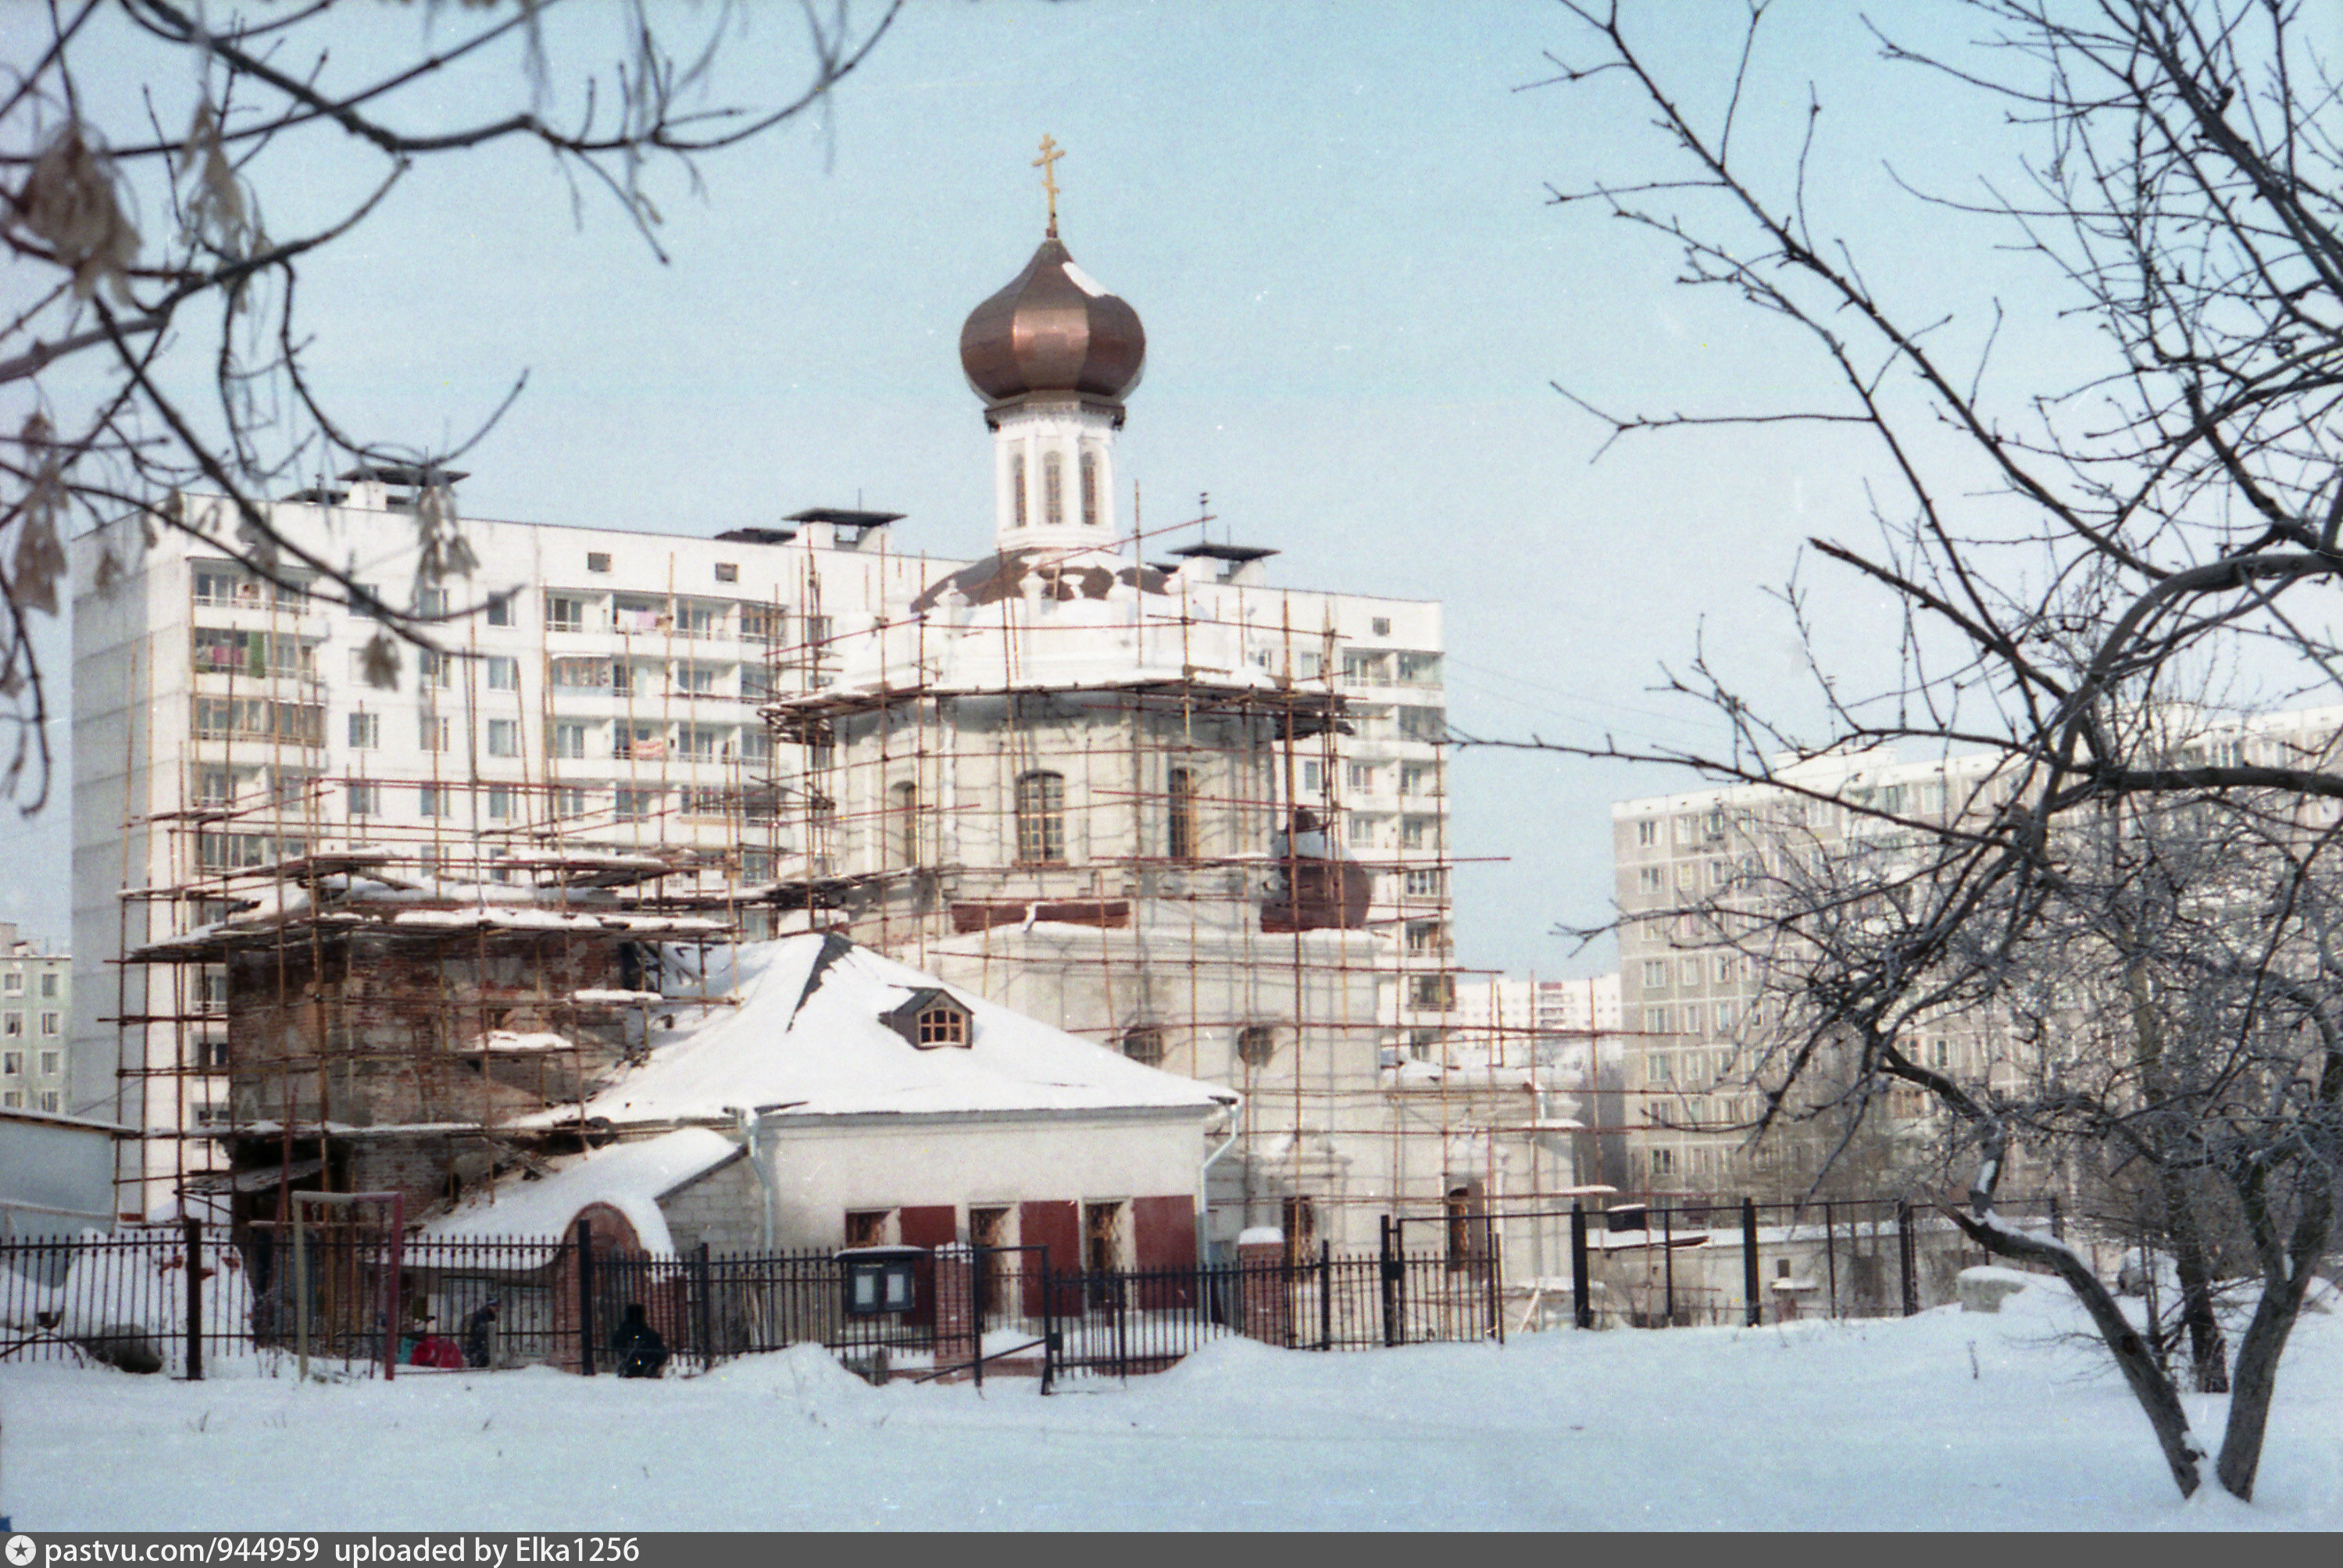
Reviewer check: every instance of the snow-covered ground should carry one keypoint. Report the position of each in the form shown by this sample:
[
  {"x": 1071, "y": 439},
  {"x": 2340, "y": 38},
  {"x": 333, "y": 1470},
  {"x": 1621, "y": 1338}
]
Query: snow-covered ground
[{"x": 1948, "y": 1421}]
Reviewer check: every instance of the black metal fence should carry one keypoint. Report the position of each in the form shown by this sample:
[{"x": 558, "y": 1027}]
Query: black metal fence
[{"x": 343, "y": 1299}]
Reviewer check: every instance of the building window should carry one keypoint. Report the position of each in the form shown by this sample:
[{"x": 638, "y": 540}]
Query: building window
[
  {"x": 1040, "y": 818},
  {"x": 1361, "y": 829},
  {"x": 903, "y": 811},
  {"x": 428, "y": 799},
  {"x": 500, "y": 802},
  {"x": 1647, "y": 832},
  {"x": 365, "y": 731},
  {"x": 1381, "y": 626},
  {"x": 1425, "y": 937},
  {"x": 1656, "y": 974},
  {"x": 570, "y": 802},
  {"x": 1053, "y": 498},
  {"x": 1360, "y": 777},
  {"x": 432, "y": 731},
  {"x": 639, "y": 804},
  {"x": 431, "y": 601},
  {"x": 700, "y": 621},
  {"x": 13, "y": 1026},
  {"x": 1431, "y": 991},
  {"x": 1256, "y": 1043},
  {"x": 1424, "y": 884},
  {"x": 569, "y": 740},
  {"x": 760, "y": 623},
  {"x": 500, "y": 607},
  {"x": 504, "y": 737},
  {"x": 504, "y": 674},
  {"x": 50, "y": 1061},
  {"x": 868, "y": 1227},
  {"x": 1089, "y": 490},
  {"x": 49, "y": 983},
  {"x": 364, "y": 799},
  {"x": 598, "y": 560},
  {"x": 1419, "y": 668},
  {"x": 434, "y": 669},
  {"x": 11, "y": 1064},
  {"x": 1017, "y": 510},
  {"x": 13, "y": 1099},
  {"x": 727, "y": 572},
  {"x": 1651, "y": 879},
  {"x": 942, "y": 1024},
  {"x": 1143, "y": 1044},
  {"x": 1313, "y": 778},
  {"x": 564, "y": 613},
  {"x": 49, "y": 1024},
  {"x": 1180, "y": 814}
]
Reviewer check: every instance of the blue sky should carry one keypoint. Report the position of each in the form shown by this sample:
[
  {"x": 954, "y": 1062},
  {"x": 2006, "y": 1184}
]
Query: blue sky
[{"x": 1333, "y": 222}]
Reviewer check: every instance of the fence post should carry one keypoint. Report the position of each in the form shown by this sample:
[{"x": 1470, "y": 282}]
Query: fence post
[
  {"x": 1049, "y": 1345},
  {"x": 1668, "y": 1264},
  {"x": 1391, "y": 1268},
  {"x": 705, "y": 1277},
  {"x": 1904, "y": 1249},
  {"x": 586, "y": 1297},
  {"x": 1325, "y": 1295},
  {"x": 194, "y": 1301},
  {"x": 1582, "y": 1300},
  {"x": 1755, "y": 1312},
  {"x": 1830, "y": 1252}
]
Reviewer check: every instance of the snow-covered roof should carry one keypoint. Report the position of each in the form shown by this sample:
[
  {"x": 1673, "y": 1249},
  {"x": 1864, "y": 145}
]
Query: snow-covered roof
[
  {"x": 630, "y": 1177},
  {"x": 801, "y": 1036}
]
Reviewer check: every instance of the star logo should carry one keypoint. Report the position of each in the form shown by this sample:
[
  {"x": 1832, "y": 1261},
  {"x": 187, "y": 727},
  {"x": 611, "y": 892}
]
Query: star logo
[{"x": 20, "y": 1550}]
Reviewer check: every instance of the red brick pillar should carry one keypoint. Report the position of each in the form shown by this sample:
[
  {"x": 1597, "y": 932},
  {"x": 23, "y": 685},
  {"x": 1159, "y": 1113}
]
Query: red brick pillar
[
  {"x": 1267, "y": 1295},
  {"x": 957, "y": 1332}
]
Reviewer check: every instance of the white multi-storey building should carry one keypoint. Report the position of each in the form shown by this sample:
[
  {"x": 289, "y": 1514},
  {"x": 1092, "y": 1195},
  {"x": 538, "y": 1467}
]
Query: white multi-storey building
[
  {"x": 1695, "y": 1014},
  {"x": 35, "y": 1009}
]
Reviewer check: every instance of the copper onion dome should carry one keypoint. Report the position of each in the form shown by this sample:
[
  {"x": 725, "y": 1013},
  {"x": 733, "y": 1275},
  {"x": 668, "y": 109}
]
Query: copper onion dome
[{"x": 1052, "y": 329}]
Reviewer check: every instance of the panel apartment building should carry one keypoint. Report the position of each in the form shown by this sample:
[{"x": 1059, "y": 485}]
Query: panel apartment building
[{"x": 1695, "y": 1015}]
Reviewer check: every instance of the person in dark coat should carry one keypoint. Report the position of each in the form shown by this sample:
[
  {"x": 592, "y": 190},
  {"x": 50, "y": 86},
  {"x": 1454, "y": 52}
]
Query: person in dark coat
[
  {"x": 479, "y": 1334},
  {"x": 641, "y": 1351}
]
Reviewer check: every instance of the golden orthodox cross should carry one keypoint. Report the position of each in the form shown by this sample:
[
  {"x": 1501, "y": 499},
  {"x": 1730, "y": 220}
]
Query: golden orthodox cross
[{"x": 1048, "y": 163}]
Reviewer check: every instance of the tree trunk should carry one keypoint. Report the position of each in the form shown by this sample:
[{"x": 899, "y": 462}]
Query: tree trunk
[
  {"x": 2158, "y": 1399},
  {"x": 2265, "y": 1341},
  {"x": 2208, "y": 1353}
]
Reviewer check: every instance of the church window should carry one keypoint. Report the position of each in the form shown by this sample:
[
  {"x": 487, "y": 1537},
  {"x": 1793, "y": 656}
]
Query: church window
[
  {"x": 1090, "y": 490},
  {"x": 1017, "y": 488},
  {"x": 1143, "y": 1044},
  {"x": 906, "y": 814},
  {"x": 1041, "y": 817},
  {"x": 1053, "y": 489},
  {"x": 1180, "y": 816},
  {"x": 1256, "y": 1043}
]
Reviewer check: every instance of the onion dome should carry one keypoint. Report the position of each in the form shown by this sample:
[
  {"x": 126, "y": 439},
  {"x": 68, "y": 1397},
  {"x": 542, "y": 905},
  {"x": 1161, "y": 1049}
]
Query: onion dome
[{"x": 1054, "y": 329}]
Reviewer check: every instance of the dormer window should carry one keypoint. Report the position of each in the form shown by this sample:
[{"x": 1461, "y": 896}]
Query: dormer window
[{"x": 932, "y": 1020}]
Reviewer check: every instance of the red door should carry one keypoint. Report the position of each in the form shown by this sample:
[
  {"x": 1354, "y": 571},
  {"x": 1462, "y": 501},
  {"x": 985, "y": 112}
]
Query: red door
[
  {"x": 1164, "y": 1236},
  {"x": 938, "y": 1226},
  {"x": 1058, "y": 1227}
]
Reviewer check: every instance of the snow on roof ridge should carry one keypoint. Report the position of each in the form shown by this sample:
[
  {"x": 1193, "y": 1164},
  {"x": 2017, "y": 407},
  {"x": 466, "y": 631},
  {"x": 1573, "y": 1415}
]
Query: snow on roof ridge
[{"x": 804, "y": 1031}]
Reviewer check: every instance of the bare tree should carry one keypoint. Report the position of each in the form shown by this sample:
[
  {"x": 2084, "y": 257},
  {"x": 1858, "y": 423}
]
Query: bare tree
[
  {"x": 2137, "y": 888},
  {"x": 156, "y": 347}
]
